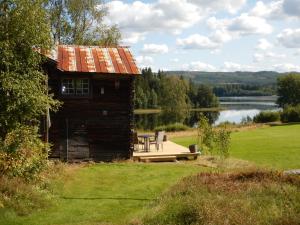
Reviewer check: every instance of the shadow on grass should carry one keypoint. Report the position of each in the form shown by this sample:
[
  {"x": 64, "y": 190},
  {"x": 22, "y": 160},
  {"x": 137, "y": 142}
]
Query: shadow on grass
[
  {"x": 278, "y": 124},
  {"x": 108, "y": 198}
]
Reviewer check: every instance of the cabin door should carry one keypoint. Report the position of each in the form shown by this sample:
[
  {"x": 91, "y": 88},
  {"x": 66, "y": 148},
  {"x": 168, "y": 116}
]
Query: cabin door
[{"x": 78, "y": 146}]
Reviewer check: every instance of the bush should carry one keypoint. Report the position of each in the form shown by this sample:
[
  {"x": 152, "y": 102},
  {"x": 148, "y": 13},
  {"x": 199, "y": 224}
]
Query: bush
[
  {"x": 291, "y": 114},
  {"x": 266, "y": 117},
  {"x": 172, "y": 127},
  {"x": 23, "y": 154},
  {"x": 214, "y": 141},
  {"x": 222, "y": 141}
]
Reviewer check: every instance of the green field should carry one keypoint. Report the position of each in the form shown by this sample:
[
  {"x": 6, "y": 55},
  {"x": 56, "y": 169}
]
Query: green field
[
  {"x": 105, "y": 194},
  {"x": 276, "y": 147},
  {"x": 117, "y": 193}
]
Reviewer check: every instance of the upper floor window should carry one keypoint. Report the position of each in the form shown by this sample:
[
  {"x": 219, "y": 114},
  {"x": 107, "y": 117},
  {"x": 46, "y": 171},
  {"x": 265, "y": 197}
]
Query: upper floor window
[{"x": 77, "y": 87}]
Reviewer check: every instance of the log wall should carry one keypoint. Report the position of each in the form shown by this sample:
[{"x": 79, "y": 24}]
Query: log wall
[{"x": 98, "y": 126}]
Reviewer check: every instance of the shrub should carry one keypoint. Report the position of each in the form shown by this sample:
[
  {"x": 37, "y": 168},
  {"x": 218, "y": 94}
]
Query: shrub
[
  {"x": 291, "y": 114},
  {"x": 22, "y": 154},
  {"x": 214, "y": 141},
  {"x": 172, "y": 127},
  {"x": 222, "y": 140},
  {"x": 266, "y": 117},
  {"x": 205, "y": 134}
]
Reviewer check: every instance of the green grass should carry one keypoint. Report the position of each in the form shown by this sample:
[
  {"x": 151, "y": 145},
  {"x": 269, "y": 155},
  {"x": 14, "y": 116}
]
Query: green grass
[
  {"x": 277, "y": 147},
  {"x": 116, "y": 193},
  {"x": 105, "y": 194}
]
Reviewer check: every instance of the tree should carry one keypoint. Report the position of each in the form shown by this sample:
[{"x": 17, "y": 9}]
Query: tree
[
  {"x": 81, "y": 22},
  {"x": 174, "y": 100},
  {"x": 288, "y": 90},
  {"x": 205, "y": 98},
  {"x": 23, "y": 89}
]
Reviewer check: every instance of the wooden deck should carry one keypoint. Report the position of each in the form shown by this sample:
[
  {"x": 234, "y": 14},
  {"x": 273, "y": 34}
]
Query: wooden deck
[{"x": 170, "y": 152}]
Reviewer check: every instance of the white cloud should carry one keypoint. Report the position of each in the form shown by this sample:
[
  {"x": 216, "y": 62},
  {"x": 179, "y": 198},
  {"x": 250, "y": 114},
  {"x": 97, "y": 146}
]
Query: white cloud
[
  {"x": 271, "y": 10},
  {"x": 225, "y": 30},
  {"x": 232, "y": 6},
  {"x": 144, "y": 61},
  {"x": 267, "y": 56},
  {"x": 263, "y": 44},
  {"x": 286, "y": 67},
  {"x": 197, "y": 41},
  {"x": 137, "y": 19},
  {"x": 221, "y": 36},
  {"x": 290, "y": 38},
  {"x": 132, "y": 37},
  {"x": 292, "y": 7},
  {"x": 175, "y": 60},
  {"x": 276, "y": 10},
  {"x": 155, "y": 49},
  {"x": 297, "y": 52},
  {"x": 163, "y": 16},
  {"x": 247, "y": 25},
  {"x": 198, "y": 66}
]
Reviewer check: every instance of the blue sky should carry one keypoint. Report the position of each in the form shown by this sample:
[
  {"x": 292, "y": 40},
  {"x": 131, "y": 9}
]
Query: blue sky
[{"x": 211, "y": 35}]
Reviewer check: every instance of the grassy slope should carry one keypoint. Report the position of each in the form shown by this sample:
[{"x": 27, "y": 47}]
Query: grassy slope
[
  {"x": 277, "y": 147},
  {"x": 111, "y": 193},
  {"x": 241, "y": 198}
]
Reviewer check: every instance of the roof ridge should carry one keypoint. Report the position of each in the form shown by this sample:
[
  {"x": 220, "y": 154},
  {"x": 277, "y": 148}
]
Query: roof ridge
[{"x": 93, "y": 46}]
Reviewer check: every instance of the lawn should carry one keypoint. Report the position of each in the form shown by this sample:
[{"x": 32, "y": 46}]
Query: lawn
[
  {"x": 105, "y": 194},
  {"x": 276, "y": 147},
  {"x": 116, "y": 193}
]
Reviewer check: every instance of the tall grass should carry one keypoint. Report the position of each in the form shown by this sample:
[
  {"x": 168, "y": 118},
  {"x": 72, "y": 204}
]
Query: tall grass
[
  {"x": 172, "y": 127},
  {"x": 240, "y": 198},
  {"x": 21, "y": 196}
]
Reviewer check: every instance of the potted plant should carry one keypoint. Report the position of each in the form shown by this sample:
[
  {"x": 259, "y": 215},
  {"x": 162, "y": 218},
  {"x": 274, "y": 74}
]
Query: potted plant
[{"x": 193, "y": 148}]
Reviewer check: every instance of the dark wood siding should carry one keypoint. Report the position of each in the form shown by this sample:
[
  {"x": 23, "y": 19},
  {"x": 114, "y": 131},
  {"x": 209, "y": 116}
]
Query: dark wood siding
[{"x": 98, "y": 126}]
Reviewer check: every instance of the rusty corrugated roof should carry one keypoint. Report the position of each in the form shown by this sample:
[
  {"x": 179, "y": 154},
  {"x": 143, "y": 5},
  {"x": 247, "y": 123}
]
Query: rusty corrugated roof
[{"x": 75, "y": 58}]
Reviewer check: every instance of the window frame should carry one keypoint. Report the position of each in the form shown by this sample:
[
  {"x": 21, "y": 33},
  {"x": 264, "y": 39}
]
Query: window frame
[{"x": 83, "y": 90}]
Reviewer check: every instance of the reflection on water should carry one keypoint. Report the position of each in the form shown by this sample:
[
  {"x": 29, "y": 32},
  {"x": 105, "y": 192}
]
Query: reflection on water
[
  {"x": 243, "y": 107},
  {"x": 236, "y": 116},
  {"x": 237, "y": 109},
  {"x": 152, "y": 120}
]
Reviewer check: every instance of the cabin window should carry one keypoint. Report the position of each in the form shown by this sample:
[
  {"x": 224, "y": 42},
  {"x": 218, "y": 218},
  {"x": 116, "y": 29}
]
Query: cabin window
[
  {"x": 75, "y": 87},
  {"x": 82, "y": 87},
  {"x": 68, "y": 87}
]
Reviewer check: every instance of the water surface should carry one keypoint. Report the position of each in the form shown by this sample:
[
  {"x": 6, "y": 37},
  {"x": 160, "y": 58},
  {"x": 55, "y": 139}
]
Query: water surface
[{"x": 239, "y": 108}]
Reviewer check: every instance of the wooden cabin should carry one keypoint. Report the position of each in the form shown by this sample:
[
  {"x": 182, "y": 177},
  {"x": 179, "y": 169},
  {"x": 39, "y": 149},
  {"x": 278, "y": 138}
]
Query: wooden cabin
[{"x": 96, "y": 87}]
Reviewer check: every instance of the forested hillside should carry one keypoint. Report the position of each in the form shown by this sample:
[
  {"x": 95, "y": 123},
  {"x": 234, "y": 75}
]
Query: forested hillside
[
  {"x": 235, "y": 83},
  {"x": 250, "y": 78}
]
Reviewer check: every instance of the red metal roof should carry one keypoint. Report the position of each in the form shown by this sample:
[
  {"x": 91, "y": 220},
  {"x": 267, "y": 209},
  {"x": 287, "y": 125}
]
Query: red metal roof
[{"x": 75, "y": 58}]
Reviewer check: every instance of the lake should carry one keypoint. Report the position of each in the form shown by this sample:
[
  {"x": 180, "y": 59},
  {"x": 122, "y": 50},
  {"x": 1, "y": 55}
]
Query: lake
[{"x": 238, "y": 108}]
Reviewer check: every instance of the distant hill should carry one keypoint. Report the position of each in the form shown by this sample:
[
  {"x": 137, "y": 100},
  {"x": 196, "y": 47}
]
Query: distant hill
[{"x": 217, "y": 78}]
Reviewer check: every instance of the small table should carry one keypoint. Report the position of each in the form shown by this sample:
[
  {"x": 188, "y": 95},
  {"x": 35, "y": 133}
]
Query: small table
[{"x": 146, "y": 138}]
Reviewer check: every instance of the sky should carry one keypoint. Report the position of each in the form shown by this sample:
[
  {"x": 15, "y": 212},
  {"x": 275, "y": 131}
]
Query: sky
[{"x": 210, "y": 35}]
